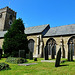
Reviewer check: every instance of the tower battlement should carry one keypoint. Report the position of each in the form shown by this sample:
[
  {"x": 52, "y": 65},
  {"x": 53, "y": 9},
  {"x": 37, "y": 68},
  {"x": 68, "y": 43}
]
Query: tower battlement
[{"x": 7, "y": 16}]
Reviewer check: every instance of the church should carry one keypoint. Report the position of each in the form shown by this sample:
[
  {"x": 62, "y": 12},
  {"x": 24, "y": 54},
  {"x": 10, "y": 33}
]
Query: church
[{"x": 41, "y": 36}]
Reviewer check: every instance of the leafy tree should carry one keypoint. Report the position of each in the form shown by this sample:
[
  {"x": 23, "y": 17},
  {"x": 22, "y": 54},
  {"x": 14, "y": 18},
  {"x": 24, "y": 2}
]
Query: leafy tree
[{"x": 15, "y": 39}]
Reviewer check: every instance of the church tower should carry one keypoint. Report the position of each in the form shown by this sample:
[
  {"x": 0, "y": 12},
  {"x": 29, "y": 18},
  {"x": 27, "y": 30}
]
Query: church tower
[{"x": 7, "y": 16}]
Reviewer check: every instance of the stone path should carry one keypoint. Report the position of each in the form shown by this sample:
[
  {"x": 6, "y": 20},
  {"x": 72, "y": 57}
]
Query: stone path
[
  {"x": 27, "y": 64},
  {"x": 47, "y": 60}
]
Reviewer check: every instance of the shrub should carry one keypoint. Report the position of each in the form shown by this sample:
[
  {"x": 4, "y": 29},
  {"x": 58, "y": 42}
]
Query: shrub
[
  {"x": 4, "y": 66},
  {"x": 57, "y": 63},
  {"x": 15, "y": 60}
]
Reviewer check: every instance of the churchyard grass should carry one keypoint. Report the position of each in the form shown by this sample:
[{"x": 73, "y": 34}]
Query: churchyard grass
[{"x": 42, "y": 68}]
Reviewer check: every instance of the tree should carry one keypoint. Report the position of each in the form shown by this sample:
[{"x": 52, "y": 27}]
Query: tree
[{"x": 15, "y": 39}]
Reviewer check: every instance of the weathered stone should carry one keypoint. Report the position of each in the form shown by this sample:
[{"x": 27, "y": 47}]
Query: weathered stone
[
  {"x": 46, "y": 52},
  {"x": 35, "y": 59},
  {"x": 31, "y": 55},
  {"x": 57, "y": 63}
]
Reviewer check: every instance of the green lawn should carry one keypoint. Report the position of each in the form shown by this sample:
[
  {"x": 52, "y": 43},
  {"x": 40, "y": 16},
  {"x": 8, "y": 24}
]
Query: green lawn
[{"x": 42, "y": 68}]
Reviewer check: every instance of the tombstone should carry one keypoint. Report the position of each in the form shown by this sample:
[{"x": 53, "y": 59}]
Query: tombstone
[
  {"x": 53, "y": 51},
  {"x": 22, "y": 53},
  {"x": 31, "y": 55},
  {"x": 0, "y": 53},
  {"x": 46, "y": 52},
  {"x": 70, "y": 53},
  {"x": 35, "y": 59},
  {"x": 57, "y": 63}
]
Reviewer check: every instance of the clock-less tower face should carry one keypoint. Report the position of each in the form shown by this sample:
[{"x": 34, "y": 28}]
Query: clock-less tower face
[
  {"x": 10, "y": 17},
  {"x": 7, "y": 16}
]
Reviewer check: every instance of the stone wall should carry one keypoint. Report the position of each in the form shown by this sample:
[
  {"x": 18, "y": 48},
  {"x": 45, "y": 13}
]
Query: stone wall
[
  {"x": 5, "y": 18},
  {"x": 37, "y": 45},
  {"x": 42, "y": 44},
  {"x": 58, "y": 43}
]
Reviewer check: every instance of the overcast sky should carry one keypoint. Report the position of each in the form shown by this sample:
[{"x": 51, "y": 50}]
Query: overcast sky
[{"x": 40, "y": 12}]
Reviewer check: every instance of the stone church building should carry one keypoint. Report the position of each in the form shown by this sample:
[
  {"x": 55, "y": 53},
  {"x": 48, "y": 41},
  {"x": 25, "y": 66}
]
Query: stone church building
[{"x": 41, "y": 36}]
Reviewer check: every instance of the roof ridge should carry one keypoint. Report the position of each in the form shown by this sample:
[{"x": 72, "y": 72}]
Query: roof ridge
[
  {"x": 63, "y": 25},
  {"x": 38, "y": 26}
]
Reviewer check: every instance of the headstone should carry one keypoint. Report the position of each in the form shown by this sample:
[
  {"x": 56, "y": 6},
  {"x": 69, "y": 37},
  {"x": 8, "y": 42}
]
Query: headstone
[
  {"x": 46, "y": 52},
  {"x": 0, "y": 53},
  {"x": 35, "y": 59},
  {"x": 22, "y": 53},
  {"x": 31, "y": 55},
  {"x": 57, "y": 63},
  {"x": 69, "y": 52},
  {"x": 71, "y": 55}
]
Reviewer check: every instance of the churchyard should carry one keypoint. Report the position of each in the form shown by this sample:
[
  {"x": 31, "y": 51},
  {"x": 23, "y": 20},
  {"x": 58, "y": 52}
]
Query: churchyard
[
  {"x": 14, "y": 60},
  {"x": 41, "y": 68}
]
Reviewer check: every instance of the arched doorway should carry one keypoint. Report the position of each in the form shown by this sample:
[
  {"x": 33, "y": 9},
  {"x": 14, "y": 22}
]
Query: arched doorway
[
  {"x": 51, "y": 45},
  {"x": 31, "y": 47},
  {"x": 71, "y": 48}
]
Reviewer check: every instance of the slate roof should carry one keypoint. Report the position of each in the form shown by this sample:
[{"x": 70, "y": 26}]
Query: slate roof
[
  {"x": 35, "y": 29},
  {"x": 55, "y": 31},
  {"x": 61, "y": 30}
]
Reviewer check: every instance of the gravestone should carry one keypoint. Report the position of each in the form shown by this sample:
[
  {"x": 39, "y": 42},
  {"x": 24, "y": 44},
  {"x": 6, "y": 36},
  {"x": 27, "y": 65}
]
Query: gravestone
[
  {"x": 0, "y": 53},
  {"x": 70, "y": 53},
  {"x": 22, "y": 53},
  {"x": 46, "y": 52},
  {"x": 35, "y": 59},
  {"x": 57, "y": 63},
  {"x": 31, "y": 55}
]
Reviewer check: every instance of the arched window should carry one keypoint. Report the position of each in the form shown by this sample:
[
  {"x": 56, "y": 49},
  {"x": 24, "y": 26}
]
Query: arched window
[
  {"x": 71, "y": 45},
  {"x": 51, "y": 44}
]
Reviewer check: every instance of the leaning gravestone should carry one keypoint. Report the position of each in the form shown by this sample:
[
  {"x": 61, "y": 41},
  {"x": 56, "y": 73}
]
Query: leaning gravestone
[
  {"x": 57, "y": 63},
  {"x": 46, "y": 52}
]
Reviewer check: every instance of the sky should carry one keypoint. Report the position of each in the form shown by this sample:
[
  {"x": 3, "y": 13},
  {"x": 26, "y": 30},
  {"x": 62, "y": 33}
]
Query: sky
[{"x": 40, "y": 12}]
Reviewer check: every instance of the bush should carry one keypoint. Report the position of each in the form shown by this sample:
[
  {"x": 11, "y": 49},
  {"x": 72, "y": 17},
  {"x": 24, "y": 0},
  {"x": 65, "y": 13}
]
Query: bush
[
  {"x": 4, "y": 66},
  {"x": 15, "y": 60}
]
